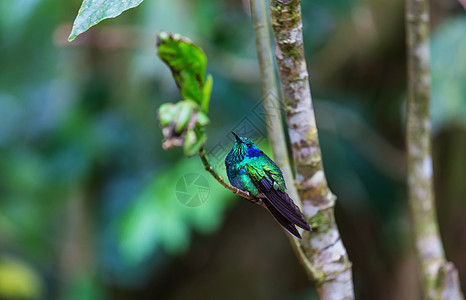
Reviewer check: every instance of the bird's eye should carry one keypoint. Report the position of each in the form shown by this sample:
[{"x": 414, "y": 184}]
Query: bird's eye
[{"x": 249, "y": 146}]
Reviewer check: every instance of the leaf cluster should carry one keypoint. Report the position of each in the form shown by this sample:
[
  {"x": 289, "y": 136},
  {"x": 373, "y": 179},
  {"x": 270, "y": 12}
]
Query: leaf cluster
[{"x": 183, "y": 122}]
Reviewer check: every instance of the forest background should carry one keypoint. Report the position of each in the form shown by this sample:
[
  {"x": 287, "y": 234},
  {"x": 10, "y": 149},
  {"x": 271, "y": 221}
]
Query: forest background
[{"x": 91, "y": 206}]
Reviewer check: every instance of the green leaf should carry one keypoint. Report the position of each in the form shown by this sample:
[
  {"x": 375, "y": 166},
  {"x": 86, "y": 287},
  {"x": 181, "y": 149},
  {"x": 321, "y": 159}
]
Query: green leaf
[
  {"x": 206, "y": 94},
  {"x": 187, "y": 63},
  {"x": 189, "y": 143},
  {"x": 184, "y": 115},
  {"x": 193, "y": 142},
  {"x": 94, "y": 11},
  {"x": 167, "y": 113},
  {"x": 202, "y": 119}
]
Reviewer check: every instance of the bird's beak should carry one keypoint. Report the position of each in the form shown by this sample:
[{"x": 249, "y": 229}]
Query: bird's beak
[{"x": 238, "y": 140}]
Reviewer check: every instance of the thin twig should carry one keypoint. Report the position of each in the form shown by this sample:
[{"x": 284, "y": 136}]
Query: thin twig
[
  {"x": 272, "y": 108},
  {"x": 270, "y": 94}
]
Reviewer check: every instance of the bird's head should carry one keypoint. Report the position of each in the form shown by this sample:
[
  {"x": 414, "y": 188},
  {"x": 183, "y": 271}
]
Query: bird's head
[{"x": 245, "y": 147}]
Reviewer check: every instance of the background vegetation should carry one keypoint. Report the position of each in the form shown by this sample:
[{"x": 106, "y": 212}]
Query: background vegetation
[{"x": 88, "y": 206}]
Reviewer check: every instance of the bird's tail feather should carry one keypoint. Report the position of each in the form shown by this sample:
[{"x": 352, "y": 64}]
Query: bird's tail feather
[
  {"x": 282, "y": 207},
  {"x": 287, "y": 224}
]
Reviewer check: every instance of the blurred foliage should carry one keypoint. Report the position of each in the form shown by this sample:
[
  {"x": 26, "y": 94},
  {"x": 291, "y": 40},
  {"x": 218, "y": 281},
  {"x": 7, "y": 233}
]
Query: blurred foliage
[
  {"x": 154, "y": 218},
  {"x": 18, "y": 280},
  {"x": 449, "y": 74},
  {"x": 88, "y": 197}
]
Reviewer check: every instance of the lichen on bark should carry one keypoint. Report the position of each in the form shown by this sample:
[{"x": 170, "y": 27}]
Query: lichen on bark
[
  {"x": 326, "y": 258},
  {"x": 439, "y": 277}
]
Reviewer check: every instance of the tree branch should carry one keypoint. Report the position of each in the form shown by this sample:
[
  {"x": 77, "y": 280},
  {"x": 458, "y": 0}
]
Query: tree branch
[
  {"x": 272, "y": 108},
  {"x": 439, "y": 277},
  {"x": 330, "y": 266},
  {"x": 270, "y": 95}
]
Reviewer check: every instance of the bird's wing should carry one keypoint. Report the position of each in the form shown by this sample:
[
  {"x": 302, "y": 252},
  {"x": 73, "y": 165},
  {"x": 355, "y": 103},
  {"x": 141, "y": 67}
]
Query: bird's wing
[
  {"x": 287, "y": 224},
  {"x": 268, "y": 180},
  {"x": 283, "y": 203}
]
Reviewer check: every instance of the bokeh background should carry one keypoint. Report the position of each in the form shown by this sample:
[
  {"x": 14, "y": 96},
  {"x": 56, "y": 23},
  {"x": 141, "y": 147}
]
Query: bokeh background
[{"x": 91, "y": 207}]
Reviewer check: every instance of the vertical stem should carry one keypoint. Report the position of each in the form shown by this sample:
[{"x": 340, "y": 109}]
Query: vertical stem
[
  {"x": 77, "y": 259},
  {"x": 329, "y": 263},
  {"x": 270, "y": 96},
  {"x": 439, "y": 277}
]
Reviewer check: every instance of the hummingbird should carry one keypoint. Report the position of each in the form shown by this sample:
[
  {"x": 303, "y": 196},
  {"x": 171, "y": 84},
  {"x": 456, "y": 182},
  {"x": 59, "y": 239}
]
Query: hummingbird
[{"x": 251, "y": 170}]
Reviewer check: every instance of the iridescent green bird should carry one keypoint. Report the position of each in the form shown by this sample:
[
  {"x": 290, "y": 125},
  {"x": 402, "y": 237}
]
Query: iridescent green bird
[{"x": 251, "y": 170}]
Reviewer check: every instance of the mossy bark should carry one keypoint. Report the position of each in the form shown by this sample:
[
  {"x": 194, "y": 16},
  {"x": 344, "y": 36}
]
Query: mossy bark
[
  {"x": 325, "y": 256},
  {"x": 439, "y": 277}
]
